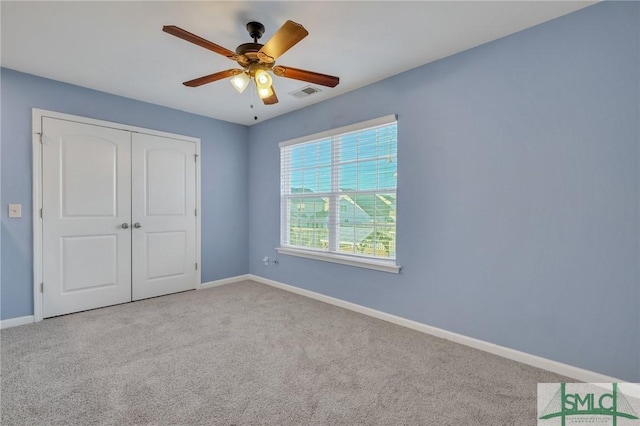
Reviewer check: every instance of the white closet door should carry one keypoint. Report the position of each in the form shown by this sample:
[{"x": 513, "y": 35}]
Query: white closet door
[
  {"x": 163, "y": 214},
  {"x": 86, "y": 178}
]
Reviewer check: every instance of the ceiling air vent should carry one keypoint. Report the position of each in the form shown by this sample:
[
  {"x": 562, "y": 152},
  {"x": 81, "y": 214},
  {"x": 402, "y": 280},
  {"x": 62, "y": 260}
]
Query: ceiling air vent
[{"x": 304, "y": 92}]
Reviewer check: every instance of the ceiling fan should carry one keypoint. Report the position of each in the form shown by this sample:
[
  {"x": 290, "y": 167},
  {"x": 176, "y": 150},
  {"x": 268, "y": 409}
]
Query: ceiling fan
[{"x": 257, "y": 60}]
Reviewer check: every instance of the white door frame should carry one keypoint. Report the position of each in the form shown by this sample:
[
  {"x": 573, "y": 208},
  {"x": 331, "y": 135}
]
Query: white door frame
[{"x": 37, "y": 115}]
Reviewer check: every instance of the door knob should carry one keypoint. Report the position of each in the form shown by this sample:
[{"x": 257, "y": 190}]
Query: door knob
[
  {"x": 137, "y": 225},
  {"x": 125, "y": 225}
]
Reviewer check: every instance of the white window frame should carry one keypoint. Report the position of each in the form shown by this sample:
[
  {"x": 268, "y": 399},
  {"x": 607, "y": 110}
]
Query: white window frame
[{"x": 379, "y": 264}]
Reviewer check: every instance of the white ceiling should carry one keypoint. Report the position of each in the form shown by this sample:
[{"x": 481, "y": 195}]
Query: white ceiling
[{"x": 119, "y": 47}]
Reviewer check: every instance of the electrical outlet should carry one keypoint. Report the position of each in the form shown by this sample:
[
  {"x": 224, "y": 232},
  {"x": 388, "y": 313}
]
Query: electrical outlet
[
  {"x": 15, "y": 210},
  {"x": 265, "y": 260}
]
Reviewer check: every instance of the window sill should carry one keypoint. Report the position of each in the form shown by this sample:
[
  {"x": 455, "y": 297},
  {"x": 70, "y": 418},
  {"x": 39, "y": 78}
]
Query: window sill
[{"x": 376, "y": 264}]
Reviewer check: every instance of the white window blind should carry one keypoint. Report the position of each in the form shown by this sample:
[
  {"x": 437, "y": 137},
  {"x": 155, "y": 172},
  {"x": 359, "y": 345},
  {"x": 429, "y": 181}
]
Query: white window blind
[{"x": 338, "y": 191}]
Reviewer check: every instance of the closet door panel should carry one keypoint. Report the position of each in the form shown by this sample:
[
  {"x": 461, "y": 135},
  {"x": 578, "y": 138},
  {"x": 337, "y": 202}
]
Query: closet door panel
[
  {"x": 86, "y": 181},
  {"x": 164, "y": 216}
]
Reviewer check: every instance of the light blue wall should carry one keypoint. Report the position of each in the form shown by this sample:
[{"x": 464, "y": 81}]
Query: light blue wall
[
  {"x": 518, "y": 192},
  {"x": 224, "y": 151}
]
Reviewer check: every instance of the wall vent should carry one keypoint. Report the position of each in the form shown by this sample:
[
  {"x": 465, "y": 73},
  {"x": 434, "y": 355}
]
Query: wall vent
[{"x": 304, "y": 92}]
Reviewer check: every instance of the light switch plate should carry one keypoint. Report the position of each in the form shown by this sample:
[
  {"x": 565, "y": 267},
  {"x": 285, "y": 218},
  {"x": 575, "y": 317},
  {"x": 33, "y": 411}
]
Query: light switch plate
[{"x": 15, "y": 210}]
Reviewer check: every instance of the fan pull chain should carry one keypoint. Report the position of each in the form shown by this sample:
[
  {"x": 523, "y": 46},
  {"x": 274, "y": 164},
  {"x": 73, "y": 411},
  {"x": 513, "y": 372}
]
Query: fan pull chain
[{"x": 253, "y": 101}]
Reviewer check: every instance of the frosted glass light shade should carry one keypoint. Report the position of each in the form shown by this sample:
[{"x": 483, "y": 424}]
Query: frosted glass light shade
[
  {"x": 263, "y": 79},
  {"x": 240, "y": 82}
]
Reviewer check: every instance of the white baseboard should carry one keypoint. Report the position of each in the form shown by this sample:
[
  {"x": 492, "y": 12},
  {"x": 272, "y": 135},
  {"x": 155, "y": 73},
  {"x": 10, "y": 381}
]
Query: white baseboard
[
  {"x": 512, "y": 354},
  {"x": 14, "y": 322},
  {"x": 224, "y": 281}
]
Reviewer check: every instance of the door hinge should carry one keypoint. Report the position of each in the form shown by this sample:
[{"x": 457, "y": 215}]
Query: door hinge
[
  {"x": 41, "y": 287},
  {"x": 40, "y": 135},
  {"x": 196, "y": 266},
  {"x": 195, "y": 157},
  {"x": 195, "y": 212},
  {"x": 40, "y": 213}
]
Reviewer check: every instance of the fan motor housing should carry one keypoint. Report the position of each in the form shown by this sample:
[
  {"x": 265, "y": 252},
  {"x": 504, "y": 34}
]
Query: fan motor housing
[{"x": 245, "y": 48}]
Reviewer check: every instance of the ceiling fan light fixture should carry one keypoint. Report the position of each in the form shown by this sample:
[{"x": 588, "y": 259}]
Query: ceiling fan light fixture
[
  {"x": 240, "y": 82},
  {"x": 263, "y": 79}
]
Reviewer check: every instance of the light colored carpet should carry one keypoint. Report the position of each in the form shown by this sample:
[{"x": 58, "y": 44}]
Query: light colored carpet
[{"x": 246, "y": 353}]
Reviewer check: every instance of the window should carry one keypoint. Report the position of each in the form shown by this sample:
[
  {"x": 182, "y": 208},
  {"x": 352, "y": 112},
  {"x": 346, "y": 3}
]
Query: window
[{"x": 338, "y": 195}]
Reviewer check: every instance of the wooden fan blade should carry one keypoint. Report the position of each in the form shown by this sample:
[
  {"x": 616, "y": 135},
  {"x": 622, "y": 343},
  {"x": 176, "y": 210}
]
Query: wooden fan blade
[
  {"x": 192, "y": 38},
  {"x": 273, "y": 99},
  {"x": 309, "y": 76},
  {"x": 284, "y": 39},
  {"x": 212, "y": 77}
]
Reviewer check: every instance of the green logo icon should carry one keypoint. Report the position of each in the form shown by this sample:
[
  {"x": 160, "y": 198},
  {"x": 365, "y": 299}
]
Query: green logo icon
[{"x": 612, "y": 404}]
